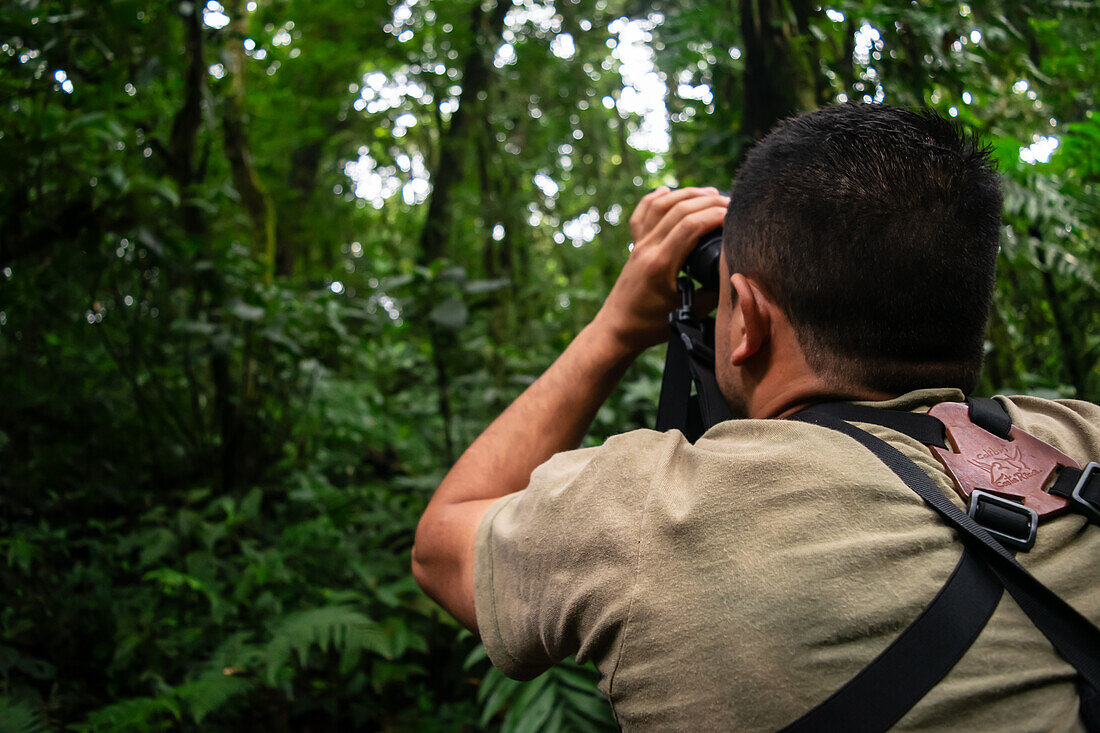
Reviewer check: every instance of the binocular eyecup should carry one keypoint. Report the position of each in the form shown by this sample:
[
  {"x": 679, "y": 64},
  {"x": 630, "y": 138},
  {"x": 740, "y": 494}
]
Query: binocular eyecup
[{"x": 702, "y": 264}]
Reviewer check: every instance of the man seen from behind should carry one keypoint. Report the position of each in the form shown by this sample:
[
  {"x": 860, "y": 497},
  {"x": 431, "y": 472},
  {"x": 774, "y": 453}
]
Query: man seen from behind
[{"x": 737, "y": 582}]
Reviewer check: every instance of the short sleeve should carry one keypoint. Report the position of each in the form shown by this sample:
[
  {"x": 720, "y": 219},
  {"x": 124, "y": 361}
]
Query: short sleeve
[{"x": 555, "y": 563}]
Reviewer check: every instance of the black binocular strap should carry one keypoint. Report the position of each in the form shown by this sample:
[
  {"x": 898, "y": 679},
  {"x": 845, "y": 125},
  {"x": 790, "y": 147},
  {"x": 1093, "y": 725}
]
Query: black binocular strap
[
  {"x": 921, "y": 427},
  {"x": 881, "y": 694},
  {"x": 690, "y": 360}
]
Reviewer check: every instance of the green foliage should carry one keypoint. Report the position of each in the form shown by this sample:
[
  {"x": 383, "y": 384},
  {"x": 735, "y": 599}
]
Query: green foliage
[
  {"x": 18, "y": 717},
  {"x": 213, "y": 464},
  {"x": 561, "y": 699},
  {"x": 339, "y": 627}
]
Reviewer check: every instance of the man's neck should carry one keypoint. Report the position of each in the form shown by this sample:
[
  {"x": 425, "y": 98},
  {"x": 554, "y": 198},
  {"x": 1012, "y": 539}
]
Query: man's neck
[
  {"x": 790, "y": 385},
  {"x": 778, "y": 381},
  {"x": 803, "y": 396}
]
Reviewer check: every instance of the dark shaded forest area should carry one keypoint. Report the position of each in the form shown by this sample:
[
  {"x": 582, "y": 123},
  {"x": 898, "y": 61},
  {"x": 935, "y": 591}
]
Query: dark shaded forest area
[{"x": 267, "y": 266}]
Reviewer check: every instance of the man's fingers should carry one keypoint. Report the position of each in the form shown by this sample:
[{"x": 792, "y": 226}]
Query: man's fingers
[
  {"x": 641, "y": 211},
  {"x": 655, "y": 205},
  {"x": 687, "y": 230},
  {"x": 682, "y": 209},
  {"x": 661, "y": 205}
]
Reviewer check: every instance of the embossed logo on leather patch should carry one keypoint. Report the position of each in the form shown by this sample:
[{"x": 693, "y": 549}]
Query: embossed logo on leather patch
[{"x": 1006, "y": 466}]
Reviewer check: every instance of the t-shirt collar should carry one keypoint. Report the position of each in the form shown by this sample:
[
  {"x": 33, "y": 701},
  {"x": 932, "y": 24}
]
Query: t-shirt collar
[{"x": 919, "y": 398}]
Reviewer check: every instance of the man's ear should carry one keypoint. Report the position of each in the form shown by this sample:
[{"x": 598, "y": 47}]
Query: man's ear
[{"x": 752, "y": 306}]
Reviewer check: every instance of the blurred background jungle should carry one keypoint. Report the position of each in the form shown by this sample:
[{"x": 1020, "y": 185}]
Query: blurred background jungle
[{"x": 267, "y": 266}]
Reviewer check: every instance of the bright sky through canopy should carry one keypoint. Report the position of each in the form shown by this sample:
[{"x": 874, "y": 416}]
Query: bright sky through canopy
[{"x": 641, "y": 101}]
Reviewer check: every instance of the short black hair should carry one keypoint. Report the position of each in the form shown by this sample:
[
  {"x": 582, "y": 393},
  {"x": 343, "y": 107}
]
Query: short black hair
[{"x": 876, "y": 230}]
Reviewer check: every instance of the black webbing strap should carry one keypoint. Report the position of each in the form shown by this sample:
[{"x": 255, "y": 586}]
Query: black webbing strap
[
  {"x": 690, "y": 360},
  {"x": 990, "y": 415},
  {"x": 675, "y": 406},
  {"x": 1074, "y": 637},
  {"x": 919, "y": 426},
  {"x": 1081, "y": 487},
  {"x": 888, "y": 687},
  {"x": 712, "y": 404},
  {"x": 986, "y": 413}
]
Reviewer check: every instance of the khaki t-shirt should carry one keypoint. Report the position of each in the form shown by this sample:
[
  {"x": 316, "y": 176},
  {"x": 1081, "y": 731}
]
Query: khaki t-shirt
[{"x": 736, "y": 583}]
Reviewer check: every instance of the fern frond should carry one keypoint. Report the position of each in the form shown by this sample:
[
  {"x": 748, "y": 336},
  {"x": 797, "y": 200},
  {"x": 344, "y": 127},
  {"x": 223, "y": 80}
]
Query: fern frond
[
  {"x": 336, "y": 627},
  {"x": 562, "y": 699},
  {"x": 209, "y": 692},
  {"x": 134, "y": 714}
]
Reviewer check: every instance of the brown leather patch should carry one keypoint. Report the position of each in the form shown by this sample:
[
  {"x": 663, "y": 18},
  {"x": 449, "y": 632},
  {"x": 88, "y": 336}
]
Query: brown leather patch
[{"x": 1016, "y": 468}]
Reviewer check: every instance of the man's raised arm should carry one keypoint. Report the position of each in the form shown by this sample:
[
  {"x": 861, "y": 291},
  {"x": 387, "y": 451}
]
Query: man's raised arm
[{"x": 554, "y": 413}]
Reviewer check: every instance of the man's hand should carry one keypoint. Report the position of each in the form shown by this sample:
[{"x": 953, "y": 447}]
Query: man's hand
[
  {"x": 554, "y": 413},
  {"x": 665, "y": 226}
]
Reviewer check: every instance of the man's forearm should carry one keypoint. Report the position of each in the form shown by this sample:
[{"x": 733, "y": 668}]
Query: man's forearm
[
  {"x": 551, "y": 415},
  {"x": 554, "y": 413}
]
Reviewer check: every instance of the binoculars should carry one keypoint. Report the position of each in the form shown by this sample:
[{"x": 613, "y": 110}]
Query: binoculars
[{"x": 702, "y": 264}]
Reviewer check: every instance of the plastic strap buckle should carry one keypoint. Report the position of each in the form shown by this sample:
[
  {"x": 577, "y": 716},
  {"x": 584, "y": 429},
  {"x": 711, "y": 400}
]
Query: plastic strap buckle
[
  {"x": 1013, "y": 524},
  {"x": 685, "y": 312},
  {"x": 1078, "y": 495}
]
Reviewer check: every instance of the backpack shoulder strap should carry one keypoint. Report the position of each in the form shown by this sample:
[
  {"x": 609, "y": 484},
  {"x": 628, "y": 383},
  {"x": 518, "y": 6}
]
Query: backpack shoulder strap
[{"x": 922, "y": 655}]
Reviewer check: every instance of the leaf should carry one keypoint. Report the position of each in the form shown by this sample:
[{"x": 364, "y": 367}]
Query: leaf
[
  {"x": 204, "y": 204},
  {"x": 339, "y": 627},
  {"x": 495, "y": 692},
  {"x": 250, "y": 506},
  {"x": 531, "y": 717},
  {"x": 452, "y": 274},
  {"x": 115, "y": 128},
  {"x": 277, "y": 336},
  {"x": 155, "y": 544},
  {"x": 397, "y": 281},
  {"x": 19, "y": 717},
  {"x": 391, "y": 594},
  {"x": 116, "y": 176},
  {"x": 214, "y": 689},
  {"x": 533, "y": 705},
  {"x": 588, "y": 704},
  {"x": 203, "y": 328},
  {"x": 244, "y": 311},
  {"x": 160, "y": 188},
  {"x": 475, "y": 657},
  {"x": 173, "y": 579},
  {"x": 528, "y": 703},
  {"x": 400, "y": 638},
  {"x": 478, "y": 287},
  {"x": 451, "y": 314},
  {"x": 135, "y": 713},
  {"x": 151, "y": 240}
]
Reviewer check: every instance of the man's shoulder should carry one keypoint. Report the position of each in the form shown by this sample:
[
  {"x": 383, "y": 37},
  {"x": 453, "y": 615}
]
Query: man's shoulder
[
  {"x": 1072, "y": 426},
  {"x": 741, "y": 440},
  {"x": 626, "y": 467},
  {"x": 1071, "y": 411}
]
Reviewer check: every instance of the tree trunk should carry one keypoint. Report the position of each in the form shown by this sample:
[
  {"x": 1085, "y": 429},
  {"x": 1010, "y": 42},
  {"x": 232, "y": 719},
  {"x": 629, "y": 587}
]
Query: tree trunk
[
  {"x": 254, "y": 198},
  {"x": 1066, "y": 337},
  {"x": 449, "y": 171},
  {"x": 185, "y": 126},
  {"x": 781, "y": 63},
  {"x": 305, "y": 162},
  {"x": 453, "y": 143}
]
